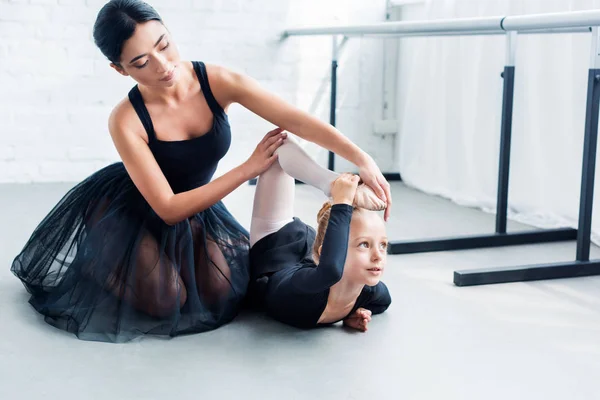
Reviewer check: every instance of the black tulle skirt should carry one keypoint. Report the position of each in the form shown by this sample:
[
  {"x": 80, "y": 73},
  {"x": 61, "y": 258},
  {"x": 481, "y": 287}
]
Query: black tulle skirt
[{"x": 105, "y": 267}]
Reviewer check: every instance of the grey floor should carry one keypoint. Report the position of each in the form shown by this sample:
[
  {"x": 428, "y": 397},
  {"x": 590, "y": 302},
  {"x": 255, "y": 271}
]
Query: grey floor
[{"x": 538, "y": 340}]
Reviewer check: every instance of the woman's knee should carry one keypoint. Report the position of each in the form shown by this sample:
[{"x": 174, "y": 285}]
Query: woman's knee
[
  {"x": 213, "y": 275},
  {"x": 159, "y": 289},
  {"x": 165, "y": 298},
  {"x": 220, "y": 273}
]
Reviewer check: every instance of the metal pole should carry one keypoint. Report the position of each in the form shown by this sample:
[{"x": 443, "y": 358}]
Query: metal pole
[
  {"x": 561, "y": 20},
  {"x": 481, "y": 24},
  {"x": 506, "y": 132},
  {"x": 535, "y": 23},
  {"x": 332, "y": 106},
  {"x": 589, "y": 151}
]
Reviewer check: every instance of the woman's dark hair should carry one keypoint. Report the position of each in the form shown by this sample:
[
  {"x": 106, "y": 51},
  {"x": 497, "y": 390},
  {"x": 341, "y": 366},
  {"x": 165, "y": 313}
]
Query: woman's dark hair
[{"x": 116, "y": 23}]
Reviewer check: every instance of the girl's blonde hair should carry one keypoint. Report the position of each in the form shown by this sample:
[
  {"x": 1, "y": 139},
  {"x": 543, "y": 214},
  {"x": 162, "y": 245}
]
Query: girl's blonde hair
[{"x": 322, "y": 222}]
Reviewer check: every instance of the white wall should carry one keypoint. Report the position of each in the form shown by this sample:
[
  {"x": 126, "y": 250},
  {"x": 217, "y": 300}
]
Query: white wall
[
  {"x": 58, "y": 90},
  {"x": 450, "y": 98}
]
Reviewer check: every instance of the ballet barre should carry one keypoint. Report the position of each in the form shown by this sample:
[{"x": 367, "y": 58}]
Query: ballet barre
[{"x": 511, "y": 26}]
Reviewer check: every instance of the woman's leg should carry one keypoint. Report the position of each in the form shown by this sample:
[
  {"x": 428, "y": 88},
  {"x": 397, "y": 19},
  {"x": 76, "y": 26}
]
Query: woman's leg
[
  {"x": 147, "y": 279},
  {"x": 153, "y": 285}
]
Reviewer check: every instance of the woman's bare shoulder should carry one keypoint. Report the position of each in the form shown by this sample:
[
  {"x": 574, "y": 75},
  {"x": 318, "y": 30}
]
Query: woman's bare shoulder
[{"x": 123, "y": 120}]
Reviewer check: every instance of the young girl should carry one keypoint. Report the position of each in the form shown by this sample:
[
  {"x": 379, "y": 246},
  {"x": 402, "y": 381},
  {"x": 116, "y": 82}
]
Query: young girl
[{"x": 306, "y": 278}]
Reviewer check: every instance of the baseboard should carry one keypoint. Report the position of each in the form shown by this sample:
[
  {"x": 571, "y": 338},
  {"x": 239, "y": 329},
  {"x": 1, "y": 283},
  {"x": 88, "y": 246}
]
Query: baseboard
[{"x": 392, "y": 176}]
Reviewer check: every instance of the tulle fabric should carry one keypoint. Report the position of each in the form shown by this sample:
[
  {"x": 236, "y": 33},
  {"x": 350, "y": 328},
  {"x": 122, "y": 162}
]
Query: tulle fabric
[{"x": 105, "y": 267}]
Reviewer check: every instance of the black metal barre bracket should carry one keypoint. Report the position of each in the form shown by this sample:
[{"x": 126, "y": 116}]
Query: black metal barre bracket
[
  {"x": 500, "y": 237},
  {"x": 482, "y": 241},
  {"x": 573, "y": 269},
  {"x": 581, "y": 266}
]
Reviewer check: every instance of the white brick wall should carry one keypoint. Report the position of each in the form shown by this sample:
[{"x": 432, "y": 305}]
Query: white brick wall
[{"x": 58, "y": 89}]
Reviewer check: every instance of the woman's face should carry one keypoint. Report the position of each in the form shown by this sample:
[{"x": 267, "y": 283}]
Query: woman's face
[
  {"x": 367, "y": 248},
  {"x": 150, "y": 56}
]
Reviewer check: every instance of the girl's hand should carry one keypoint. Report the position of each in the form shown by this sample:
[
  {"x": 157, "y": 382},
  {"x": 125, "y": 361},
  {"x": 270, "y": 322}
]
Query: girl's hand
[
  {"x": 343, "y": 189},
  {"x": 359, "y": 319}
]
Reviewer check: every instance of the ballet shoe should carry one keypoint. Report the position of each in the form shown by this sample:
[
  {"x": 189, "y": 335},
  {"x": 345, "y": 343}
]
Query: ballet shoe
[{"x": 366, "y": 198}]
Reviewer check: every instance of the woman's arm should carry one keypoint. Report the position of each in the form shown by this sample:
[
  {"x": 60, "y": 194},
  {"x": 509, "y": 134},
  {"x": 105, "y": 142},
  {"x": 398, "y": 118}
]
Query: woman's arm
[
  {"x": 232, "y": 87},
  {"x": 154, "y": 187}
]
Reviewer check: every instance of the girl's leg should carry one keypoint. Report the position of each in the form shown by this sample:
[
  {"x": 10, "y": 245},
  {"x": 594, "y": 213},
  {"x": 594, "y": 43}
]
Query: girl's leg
[
  {"x": 273, "y": 202},
  {"x": 274, "y": 197},
  {"x": 298, "y": 164}
]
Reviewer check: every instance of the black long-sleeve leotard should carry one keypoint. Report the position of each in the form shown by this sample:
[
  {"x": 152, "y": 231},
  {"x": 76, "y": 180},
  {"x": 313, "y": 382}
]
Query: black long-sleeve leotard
[{"x": 297, "y": 289}]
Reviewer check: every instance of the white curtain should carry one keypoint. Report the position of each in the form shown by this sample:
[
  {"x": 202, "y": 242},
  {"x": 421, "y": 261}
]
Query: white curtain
[{"x": 449, "y": 108}]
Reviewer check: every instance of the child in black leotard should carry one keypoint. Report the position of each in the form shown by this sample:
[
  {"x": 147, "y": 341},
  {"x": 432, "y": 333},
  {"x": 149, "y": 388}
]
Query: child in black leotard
[{"x": 306, "y": 278}]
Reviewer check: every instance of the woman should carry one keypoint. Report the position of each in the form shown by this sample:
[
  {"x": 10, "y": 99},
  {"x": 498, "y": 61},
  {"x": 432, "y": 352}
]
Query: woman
[
  {"x": 146, "y": 245},
  {"x": 306, "y": 278}
]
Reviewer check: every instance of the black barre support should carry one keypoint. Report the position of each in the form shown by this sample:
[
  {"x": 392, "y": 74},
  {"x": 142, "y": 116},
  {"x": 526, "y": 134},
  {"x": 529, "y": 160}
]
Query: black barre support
[
  {"x": 500, "y": 237},
  {"x": 332, "y": 105},
  {"x": 483, "y": 241},
  {"x": 487, "y": 276},
  {"x": 588, "y": 172},
  {"x": 581, "y": 266},
  {"x": 505, "y": 138}
]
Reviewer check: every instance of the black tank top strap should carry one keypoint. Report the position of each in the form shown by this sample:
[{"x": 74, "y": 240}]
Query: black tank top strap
[
  {"x": 200, "y": 69},
  {"x": 135, "y": 97}
]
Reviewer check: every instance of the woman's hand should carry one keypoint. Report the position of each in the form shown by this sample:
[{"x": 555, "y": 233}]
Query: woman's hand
[
  {"x": 359, "y": 319},
  {"x": 343, "y": 189},
  {"x": 264, "y": 154},
  {"x": 372, "y": 177}
]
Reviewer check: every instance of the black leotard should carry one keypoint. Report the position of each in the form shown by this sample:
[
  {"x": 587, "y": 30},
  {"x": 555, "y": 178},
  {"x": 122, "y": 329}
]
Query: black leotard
[{"x": 292, "y": 287}]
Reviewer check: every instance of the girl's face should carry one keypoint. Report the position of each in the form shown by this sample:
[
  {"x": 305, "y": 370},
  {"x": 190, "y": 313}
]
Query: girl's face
[
  {"x": 367, "y": 248},
  {"x": 150, "y": 56}
]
